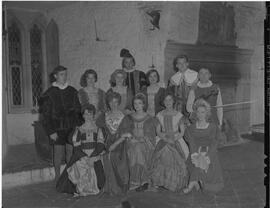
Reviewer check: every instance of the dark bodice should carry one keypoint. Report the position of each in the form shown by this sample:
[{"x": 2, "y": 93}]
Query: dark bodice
[{"x": 202, "y": 137}]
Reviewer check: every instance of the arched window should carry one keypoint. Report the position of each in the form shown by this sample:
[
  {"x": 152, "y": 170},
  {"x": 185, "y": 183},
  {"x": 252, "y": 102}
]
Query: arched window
[
  {"x": 36, "y": 62},
  {"x": 32, "y": 55},
  {"x": 15, "y": 64}
]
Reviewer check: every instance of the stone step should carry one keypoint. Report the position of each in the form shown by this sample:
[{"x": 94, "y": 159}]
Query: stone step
[
  {"x": 22, "y": 178},
  {"x": 22, "y": 166}
]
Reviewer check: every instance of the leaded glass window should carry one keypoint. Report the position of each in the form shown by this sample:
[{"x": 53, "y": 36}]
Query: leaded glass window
[
  {"x": 15, "y": 62},
  {"x": 36, "y": 62}
]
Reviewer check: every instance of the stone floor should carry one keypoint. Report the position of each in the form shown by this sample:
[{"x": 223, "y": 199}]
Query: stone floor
[
  {"x": 243, "y": 173},
  {"x": 14, "y": 162}
]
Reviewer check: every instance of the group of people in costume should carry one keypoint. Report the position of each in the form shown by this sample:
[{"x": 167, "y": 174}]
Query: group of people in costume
[{"x": 138, "y": 135}]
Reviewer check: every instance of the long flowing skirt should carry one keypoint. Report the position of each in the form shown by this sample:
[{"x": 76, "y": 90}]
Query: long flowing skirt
[
  {"x": 139, "y": 154},
  {"x": 116, "y": 171},
  {"x": 168, "y": 166},
  {"x": 83, "y": 175},
  {"x": 212, "y": 179}
]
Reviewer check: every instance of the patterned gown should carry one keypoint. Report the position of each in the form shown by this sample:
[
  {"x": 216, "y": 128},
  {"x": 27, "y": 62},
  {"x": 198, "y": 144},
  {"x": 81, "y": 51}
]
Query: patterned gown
[
  {"x": 115, "y": 162},
  {"x": 204, "y": 139},
  {"x": 168, "y": 163},
  {"x": 140, "y": 147},
  {"x": 84, "y": 174}
]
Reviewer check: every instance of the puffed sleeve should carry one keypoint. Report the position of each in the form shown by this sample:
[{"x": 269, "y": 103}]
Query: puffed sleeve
[
  {"x": 76, "y": 137},
  {"x": 190, "y": 101}
]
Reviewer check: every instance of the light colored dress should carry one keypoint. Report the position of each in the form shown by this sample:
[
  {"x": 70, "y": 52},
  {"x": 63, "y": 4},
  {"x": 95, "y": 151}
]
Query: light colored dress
[
  {"x": 168, "y": 164},
  {"x": 82, "y": 173}
]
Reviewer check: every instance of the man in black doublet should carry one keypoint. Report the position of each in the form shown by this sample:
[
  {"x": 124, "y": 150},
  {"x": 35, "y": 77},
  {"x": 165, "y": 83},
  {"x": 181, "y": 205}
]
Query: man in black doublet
[{"x": 60, "y": 108}]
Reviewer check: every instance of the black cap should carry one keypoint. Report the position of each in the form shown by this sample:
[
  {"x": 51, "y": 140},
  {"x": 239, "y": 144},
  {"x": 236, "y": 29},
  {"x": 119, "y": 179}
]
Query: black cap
[{"x": 124, "y": 53}]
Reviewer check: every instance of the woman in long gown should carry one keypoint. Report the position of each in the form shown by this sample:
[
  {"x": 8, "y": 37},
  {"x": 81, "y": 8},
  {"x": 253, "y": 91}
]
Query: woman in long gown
[
  {"x": 115, "y": 161},
  {"x": 155, "y": 93},
  {"x": 90, "y": 93},
  {"x": 141, "y": 144},
  {"x": 169, "y": 168},
  {"x": 84, "y": 174},
  {"x": 202, "y": 137},
  {"x": 118, "y": 84}
]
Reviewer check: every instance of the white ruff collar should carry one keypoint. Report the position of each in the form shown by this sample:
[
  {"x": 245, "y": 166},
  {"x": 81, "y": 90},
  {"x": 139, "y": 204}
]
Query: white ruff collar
[
  {"x": 204, "y": 85},
  {"x": 55, "y": 84},
  {"x": 189, "y": 76},
  {"x": 130, "y": 70}
]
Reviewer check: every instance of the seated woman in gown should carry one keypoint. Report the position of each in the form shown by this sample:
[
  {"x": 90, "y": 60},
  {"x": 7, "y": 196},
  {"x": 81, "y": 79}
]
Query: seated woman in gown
[
  {"x": 115, "y": 160},
  {"x": 169, "y": 169},
  {"x": 202, "y": 137},
  {"x": 140, "y": 143},
  {"x": 84, "y": 174}
]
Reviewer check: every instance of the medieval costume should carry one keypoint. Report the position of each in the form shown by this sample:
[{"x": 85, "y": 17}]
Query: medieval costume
[
  {"x": 181, "y": 83},
  {"x": 136, "y": 80},
  {"x": 115, "y": 161},
  {"x": 140, "y": 147},
  {"x": 168, "y": 163},
  {"x": 155, "y": 100},
  {"x": 203, "y": 145},
  {"x": 84, "y": 174},
  {"x": 96, "y": 98},
  {"x": 210, "y": 93},
  {"x": 60, "y": 108}
]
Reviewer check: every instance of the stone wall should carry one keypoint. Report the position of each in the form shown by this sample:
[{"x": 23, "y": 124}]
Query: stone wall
[{"x": 125, "y": 25}]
